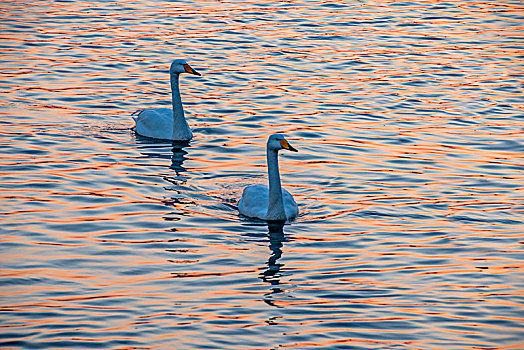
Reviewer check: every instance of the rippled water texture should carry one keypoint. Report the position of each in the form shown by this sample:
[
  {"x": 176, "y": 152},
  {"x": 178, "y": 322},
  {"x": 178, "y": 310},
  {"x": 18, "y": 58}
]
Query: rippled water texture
[{"x": 408, "y": 118}]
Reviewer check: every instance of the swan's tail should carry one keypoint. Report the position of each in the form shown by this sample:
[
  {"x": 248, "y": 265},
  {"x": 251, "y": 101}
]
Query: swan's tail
[{"x": 134, "y": 118}]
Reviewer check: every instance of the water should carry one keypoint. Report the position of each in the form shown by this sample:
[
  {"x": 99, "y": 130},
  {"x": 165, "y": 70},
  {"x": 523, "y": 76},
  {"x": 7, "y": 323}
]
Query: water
[{"x": 408, "y": 119}]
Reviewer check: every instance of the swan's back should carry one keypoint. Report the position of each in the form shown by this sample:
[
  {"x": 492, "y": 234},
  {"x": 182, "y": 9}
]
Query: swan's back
[
  {"x": 156, "y": 123},
  {"x": 254, "y": 201}
]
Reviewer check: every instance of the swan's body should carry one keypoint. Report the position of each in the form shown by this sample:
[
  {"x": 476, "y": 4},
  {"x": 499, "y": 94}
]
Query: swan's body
[
  {"x": 255, "y": 200},
  {"x": 270, "y": 202},
  {"x": 165, "y": 123}
]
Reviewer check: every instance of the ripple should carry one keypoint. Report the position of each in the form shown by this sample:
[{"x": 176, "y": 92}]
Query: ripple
[{"x": 407, "y": 117}]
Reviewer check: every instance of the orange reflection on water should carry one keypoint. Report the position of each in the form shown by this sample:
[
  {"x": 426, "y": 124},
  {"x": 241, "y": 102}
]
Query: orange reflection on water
[{"x": 407, "y": 175}]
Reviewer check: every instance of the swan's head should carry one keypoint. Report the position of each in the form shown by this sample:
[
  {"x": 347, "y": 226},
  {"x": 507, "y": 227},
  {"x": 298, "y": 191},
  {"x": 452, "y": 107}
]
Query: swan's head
[
  {"x": 277, "y": 142},
  {"x": 180, "y": 66}
]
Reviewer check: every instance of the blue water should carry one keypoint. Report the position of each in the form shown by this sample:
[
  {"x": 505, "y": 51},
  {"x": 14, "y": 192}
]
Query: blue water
[{"x": 408, "y": 118}]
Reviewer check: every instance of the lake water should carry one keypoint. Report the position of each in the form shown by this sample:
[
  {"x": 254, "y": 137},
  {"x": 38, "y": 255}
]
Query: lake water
[{"x": 409, "y": 121}]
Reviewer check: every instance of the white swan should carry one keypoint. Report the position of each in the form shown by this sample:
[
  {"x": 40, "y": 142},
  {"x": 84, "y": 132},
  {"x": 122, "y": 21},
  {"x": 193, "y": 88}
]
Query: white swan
[
  {"x": 273, "y": 203},
  {"x": 165, "y": 123}
]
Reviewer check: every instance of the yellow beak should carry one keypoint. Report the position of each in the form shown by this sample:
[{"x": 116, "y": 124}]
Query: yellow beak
[
  {"x": 190, "y": 70},
  {"x": 286, "y": 145}
]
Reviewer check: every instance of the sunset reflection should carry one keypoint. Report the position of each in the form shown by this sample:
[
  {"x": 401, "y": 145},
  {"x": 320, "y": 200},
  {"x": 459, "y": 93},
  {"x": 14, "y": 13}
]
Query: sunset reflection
[{"x": 408, "y": 118}]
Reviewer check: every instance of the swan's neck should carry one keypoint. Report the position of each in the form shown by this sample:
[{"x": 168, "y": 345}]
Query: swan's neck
[
  {"x": 275, "y": 209},
  {"x": 179, "y": 121}
]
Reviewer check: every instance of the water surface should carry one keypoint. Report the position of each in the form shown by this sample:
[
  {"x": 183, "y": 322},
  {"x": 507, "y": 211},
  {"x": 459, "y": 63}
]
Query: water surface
[{"x": 408, "y": 119}]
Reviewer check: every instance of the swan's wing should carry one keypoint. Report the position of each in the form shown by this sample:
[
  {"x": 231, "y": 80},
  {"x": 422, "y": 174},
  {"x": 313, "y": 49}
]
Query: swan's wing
[
  {"x": 156, "y": 123},
  {"x": 254, "y": 201},
  {"x": 290, "y": 206}
]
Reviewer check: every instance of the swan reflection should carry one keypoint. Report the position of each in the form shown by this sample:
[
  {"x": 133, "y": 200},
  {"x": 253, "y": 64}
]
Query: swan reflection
[
  {"x": 156, "y": 149},
  {"x": 272, "y": 273},
  {"x": 178, "y": 156}
]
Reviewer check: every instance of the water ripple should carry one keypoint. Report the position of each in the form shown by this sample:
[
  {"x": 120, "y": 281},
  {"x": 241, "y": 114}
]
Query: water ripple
[{"x": 408, "y": 121}]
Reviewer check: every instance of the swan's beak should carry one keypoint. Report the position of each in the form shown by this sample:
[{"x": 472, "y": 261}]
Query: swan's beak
[
  {"x": 190, "y": 70},
  {"x": 286, "y": 145}
]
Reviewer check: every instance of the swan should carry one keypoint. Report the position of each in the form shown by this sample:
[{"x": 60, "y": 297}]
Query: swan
[
  {"x": 164, "y": 123},
  {"x": 271, "y": 203}
]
